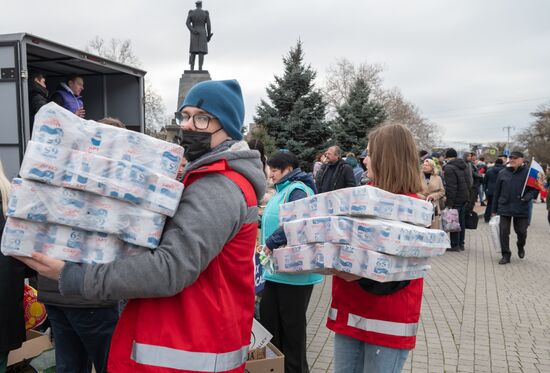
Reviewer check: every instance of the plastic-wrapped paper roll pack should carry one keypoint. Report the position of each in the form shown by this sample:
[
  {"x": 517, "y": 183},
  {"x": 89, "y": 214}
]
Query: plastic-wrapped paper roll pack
[
  {"x": 54, "y": 125},
  {"x": 40, "y": 202},
  {"x": 360, "y": 201},
  {"x": 22, "y": 238},
  {"x": 383, "y": 236},
  {"x": 321, "y": 257},
  {"x": 123, "y": 180}
]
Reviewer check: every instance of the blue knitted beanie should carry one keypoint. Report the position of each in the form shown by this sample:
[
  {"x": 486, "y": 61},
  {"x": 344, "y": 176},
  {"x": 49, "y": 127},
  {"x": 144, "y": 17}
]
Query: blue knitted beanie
[{"x": 221, "y": 98}]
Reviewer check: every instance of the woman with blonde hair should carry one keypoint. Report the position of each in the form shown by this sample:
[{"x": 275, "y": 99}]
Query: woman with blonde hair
[
  {"x": 434, "y": 191},
  {"x": 376, "y": 323}
]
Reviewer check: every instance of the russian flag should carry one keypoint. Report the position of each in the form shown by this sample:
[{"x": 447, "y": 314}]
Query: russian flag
[{"x": 536, "y": 177}]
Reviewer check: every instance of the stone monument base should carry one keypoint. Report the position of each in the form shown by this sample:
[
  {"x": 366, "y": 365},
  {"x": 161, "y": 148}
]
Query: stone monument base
[{"x": 188, "y": 79}]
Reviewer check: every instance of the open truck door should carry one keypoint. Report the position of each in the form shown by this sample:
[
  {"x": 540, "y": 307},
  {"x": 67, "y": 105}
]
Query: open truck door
[{"x": 11, "y": 134}]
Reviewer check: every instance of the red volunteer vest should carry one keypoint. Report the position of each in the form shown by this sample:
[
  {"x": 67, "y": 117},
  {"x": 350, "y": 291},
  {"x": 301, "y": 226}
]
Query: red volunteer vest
[
  {"x": 385, "y": 320},
  {"x": 204, "y": 328}
]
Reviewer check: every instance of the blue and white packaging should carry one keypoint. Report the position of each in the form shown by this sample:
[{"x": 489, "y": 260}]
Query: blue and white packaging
[
  {"x": 23, "y": 237},
  {"x": 383, "y": 236},
  {"x": 326, "y": 257},
  {"x": 40, "y": 202},
  {"x": 119, "y": 179},
  {"x": 362, "y": 201},
  {"x": 57, "y": 126}
]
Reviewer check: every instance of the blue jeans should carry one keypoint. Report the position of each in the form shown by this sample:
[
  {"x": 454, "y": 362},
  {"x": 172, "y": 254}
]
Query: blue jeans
[
  {"x": 354, "y": 356},
  {"x": 457, "y": 238},
  {"x": 82, "y": 336}
]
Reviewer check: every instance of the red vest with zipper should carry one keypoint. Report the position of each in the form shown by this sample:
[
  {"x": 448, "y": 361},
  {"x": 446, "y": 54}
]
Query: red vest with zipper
[
  {"x": 207, "y": 326},
  {"x": 385, "y": 320}
]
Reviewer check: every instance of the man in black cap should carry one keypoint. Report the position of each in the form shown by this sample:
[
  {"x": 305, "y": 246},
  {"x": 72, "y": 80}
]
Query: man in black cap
[
  {"x": 510, "y": 200},
  {"x": 458, "y": 182}
]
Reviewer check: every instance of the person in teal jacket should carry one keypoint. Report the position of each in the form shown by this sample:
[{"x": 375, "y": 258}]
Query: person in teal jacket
[{"x": 286, "y": 296}]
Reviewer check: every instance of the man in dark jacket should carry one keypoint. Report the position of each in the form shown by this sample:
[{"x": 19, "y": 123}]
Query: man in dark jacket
[
  {"x": 38, "y": 93},
  {"x": 336, "y": 173},
  {"x": 457, "y": 191},
  {"x": 510, "y": 200},
  {"x": 489, "y": 183},
  {"x": 68, "y": 96}
]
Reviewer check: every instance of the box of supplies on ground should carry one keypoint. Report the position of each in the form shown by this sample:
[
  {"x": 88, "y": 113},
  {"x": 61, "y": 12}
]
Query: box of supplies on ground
[
  {"x": 274, "y": 362},
  {"x": 35, "y": 344}
]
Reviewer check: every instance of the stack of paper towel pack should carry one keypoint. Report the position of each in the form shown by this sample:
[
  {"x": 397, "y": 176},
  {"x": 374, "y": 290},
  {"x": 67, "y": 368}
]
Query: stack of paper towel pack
[
  {"x": 90, "y": 192},
  {"x": 364, "y": 230}
]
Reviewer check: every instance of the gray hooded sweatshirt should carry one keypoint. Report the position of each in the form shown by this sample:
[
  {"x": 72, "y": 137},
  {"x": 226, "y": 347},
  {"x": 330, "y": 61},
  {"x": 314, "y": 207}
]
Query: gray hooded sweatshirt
[{"x": 211, "y": 212}]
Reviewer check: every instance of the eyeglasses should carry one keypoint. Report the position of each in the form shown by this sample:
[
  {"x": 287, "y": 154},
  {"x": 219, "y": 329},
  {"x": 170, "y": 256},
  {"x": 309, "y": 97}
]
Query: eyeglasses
[{"x": 200, "y": 121}]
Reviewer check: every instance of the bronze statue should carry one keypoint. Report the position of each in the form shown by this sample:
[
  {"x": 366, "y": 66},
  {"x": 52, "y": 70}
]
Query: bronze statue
[{"x": 198, "y": 22}]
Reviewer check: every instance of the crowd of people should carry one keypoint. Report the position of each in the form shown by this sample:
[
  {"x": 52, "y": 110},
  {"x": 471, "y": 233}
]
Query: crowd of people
[{"x": 191, "y": 300}]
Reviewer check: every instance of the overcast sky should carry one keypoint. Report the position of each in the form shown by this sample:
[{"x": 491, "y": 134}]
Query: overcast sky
[{"x": 471, "y": 66}]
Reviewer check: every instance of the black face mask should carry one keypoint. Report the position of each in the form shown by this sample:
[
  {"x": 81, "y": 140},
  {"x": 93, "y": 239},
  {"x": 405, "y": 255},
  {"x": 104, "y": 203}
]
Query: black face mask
[{"x": 195, "y": 144}]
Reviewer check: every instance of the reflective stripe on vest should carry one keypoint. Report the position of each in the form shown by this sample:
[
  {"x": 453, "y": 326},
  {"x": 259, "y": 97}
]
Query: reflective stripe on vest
[
  {"x": 167, "y": 357},
  {"x": 332, "y": 314},
  {"x": 382, "y": 327}
]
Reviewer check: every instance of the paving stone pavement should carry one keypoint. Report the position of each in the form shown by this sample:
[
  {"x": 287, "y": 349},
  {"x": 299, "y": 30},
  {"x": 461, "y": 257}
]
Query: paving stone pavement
[{"x": 477, "y": 315}]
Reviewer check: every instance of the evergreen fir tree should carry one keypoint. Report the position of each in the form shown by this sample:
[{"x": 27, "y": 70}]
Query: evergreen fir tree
[
  {"x": 356, "y": 117},
  {"x": 295, "y": 115}
]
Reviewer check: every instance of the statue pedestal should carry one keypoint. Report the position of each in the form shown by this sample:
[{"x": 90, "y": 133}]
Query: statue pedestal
[{"x": 188, "y": 79}]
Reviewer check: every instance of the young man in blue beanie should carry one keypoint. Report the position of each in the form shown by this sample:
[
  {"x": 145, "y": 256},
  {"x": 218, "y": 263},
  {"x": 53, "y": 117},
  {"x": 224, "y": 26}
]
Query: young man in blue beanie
[{"x": 200, "y": 280}]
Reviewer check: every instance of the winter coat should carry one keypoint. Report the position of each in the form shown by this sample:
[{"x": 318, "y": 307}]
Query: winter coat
[
  {"x": 335, "y": 176},
  {"x": 507, "y": 199},
  {"x": 490, "y": 180},
  {"x": 38, "y": 97},
  {"x": 198, "y": 20},
  {"x": 12, "y": 314},
  {"x": 64, "y": 97},
  {"x": 457, "y": 182},
  {"x": 435, "y": 188},
  {"x": 292, "y": 187}
]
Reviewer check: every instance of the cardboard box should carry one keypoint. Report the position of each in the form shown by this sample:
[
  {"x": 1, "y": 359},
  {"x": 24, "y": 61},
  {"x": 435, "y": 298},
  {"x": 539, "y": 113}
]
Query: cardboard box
[
  {"x": 274, "y": 362},
  {"x": 36, "y": 343}
]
